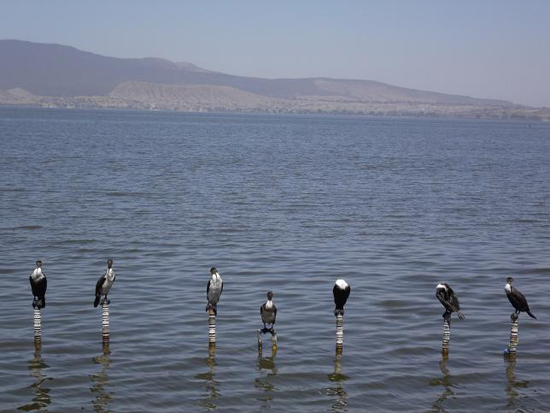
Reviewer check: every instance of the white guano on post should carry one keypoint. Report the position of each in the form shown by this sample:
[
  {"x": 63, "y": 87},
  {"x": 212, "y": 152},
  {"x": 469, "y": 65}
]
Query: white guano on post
[
  {"x": 514, "y": 336},
  {"x": 446, "y": 337},
  {"x": 105, "y": 321},
  {"x": 211, "y": 327},
  {"x": 339, "y": 331},
  {"x": 37, "y": 324}
]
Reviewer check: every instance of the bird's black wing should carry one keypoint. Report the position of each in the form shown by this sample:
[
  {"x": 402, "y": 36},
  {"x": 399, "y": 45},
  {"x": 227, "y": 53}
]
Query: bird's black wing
[
  {"x": 99, "y": 284},
  {"x": 45, "y": 283},
  {"x": 520, "y": 300},
  {"x": 347, "y": 293},
  {"x": 33, "y": 287},
  {"x": 221, "y": 289},
  {"x": 453, "y": 303},
  {"x": 274, "y": 313}
]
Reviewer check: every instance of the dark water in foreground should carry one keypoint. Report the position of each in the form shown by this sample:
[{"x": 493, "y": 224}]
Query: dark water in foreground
[{"x": 282, "y": 203}]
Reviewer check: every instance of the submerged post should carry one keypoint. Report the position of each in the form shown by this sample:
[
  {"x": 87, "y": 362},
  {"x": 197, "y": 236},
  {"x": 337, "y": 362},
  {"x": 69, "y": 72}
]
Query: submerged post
[
  {"x": 211, "y": 327},
  {"x": 105, "y": 321},
  {"x": 273, "y": 338},
  {"x": 446, "y": 336},
  {"x": 512, "y": 348},
  {"x": 339, "y": 332},
  {"x": 37, "y": 324}
]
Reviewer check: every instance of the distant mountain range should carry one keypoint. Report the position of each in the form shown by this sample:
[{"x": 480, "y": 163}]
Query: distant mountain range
[{"x": 52, "y": 75}]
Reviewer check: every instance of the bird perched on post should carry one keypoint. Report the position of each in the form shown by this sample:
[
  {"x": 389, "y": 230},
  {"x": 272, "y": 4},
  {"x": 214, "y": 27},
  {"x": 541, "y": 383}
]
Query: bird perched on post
[
  {"x": 39, "y": 284},
  {"x": 268, "y": 312},
  {"x": 517, "y": 299},
  {"x": 214, "y": 290},
  {"x": 448, "y": 298},
  {"x": 104, "y": 284},
  {"x": 341, "y": 292}
]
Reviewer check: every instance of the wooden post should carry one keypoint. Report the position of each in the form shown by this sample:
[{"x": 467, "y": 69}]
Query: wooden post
[
  {"x": 339, "y": 332},
  {"x": 512, "y": 348},
  {"x": 37, "y": 325},
  {"x": 273, "y": 339},
  {"x": 105, "y": 321},
  {"x": 211, "y": 327},
  {"x": 446, "y": 337}
]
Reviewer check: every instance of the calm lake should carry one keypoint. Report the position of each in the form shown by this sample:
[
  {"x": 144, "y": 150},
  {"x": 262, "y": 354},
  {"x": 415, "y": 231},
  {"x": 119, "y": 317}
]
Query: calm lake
[{"x": 281, "y": 203}]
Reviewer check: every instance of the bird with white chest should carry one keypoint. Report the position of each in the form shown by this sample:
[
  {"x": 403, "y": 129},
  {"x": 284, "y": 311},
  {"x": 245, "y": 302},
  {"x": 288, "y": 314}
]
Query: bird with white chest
[
  {"x": 39, "y": 284},
  {"x": 340, "y": 291},
  {"x": 517, "y": 299},
  {"x": 214, "y": 289},
  {"x": 268, "y": 312},
  {"x": 104, "y": 284},
  {"x": 449, "y": 300}
]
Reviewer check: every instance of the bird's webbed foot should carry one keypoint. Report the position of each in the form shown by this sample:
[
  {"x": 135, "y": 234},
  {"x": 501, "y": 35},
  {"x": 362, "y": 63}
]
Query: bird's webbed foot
[
  {"x": 514, "y": 316},
  {"x": 447, "y": 317},
  {"x": 105, "y": 301}
]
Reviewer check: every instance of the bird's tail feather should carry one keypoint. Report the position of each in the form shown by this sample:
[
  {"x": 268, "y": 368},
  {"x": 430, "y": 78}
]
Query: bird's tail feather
[
  {"x": 460, "y": 315},
  {"x": 96, "y": 302},
  {"x": 531, "y": 314},
  {"x": 41, "y": 303}
]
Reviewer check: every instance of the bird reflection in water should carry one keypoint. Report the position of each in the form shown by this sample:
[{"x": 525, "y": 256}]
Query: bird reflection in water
[
  {"x": 210, "y": 383},
  {"x": 513, "y": 385},
  {"x": 337, "y": 390},
  {"x": 444, "y": 381},
  {"x": 267, "y": 370},
  {"x": 101, "y": 380},
  {"x": 41, "y": 394}
]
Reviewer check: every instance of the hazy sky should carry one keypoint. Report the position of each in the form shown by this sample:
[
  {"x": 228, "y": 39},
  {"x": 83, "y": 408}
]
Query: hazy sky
[{"x": 482, "y": 48}]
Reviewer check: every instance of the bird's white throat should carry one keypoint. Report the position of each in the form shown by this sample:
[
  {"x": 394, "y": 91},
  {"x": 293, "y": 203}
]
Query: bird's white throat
[
  {"x": 342, "y": 284},
  {"x": 508, "y": 287},
  {"x": 37, "y": 274}
]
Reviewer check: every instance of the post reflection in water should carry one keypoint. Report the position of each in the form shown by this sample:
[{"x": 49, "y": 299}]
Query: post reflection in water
[
  {"x": 444, "y": 381},
  {"x": 101, "y": 381},
  {"x": 210, "y": 383},
  {"x": 267, "y": 370},
  {"x": 513, "y": 385},
  {"x": 337, "y": 390},
  {"x": 41, "y": 394}
]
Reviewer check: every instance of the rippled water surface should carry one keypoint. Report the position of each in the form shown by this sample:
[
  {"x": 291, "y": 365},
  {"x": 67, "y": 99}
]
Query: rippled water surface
[{"x": 274, "y": 202}]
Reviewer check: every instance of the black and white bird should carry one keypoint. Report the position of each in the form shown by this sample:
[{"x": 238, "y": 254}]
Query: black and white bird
[
  {"x": 104, "y": 284},
  {"x": 448, "y": 298},
  {"x": 268, "y": 312},
  {"x": 39, "y": 284},
  {"x": 341, "y": 292},
  {"x": 214, "y": 290},
  {"x": 517, "y": 299}
]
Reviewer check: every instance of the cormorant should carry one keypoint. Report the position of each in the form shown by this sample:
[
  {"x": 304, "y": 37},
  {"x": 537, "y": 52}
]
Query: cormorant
[
  {"x": 214, "y": 290},
  {"x": 517, "y": 299},
  {"x": 104, "y": 284},
  {"x": 341, "y": 292},
  {"x": 39, "y": 284},
  {"x": 268, "y": 312},
  {"x": 447, "y": 297}
]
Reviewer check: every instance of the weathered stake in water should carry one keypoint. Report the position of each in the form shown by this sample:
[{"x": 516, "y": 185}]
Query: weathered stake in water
[
  {"x": 514, "y": 340},
  {"x": 37, "y": 325},
  {"x": 446, "y": 336},
  {"x": 211, "y": 327},
  {"x": 105, "y": 321}
]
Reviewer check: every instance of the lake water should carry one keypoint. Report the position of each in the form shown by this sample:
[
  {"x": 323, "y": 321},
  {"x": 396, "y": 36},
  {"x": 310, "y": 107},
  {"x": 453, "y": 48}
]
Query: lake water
[{"x": 282, "y": 203}]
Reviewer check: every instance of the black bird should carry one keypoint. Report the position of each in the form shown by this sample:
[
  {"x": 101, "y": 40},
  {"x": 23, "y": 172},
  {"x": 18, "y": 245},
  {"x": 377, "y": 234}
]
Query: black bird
[
  {"x": 39, "y": 284},
  {"x": 517, "y": 299},
  {"x": 214, "y": 289},
  {"x": 447, "y": 297},
  {"x": 268, "y": 312},
  {"x": 341, "y": 292},
  {"x": 104, "y": 284}
]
